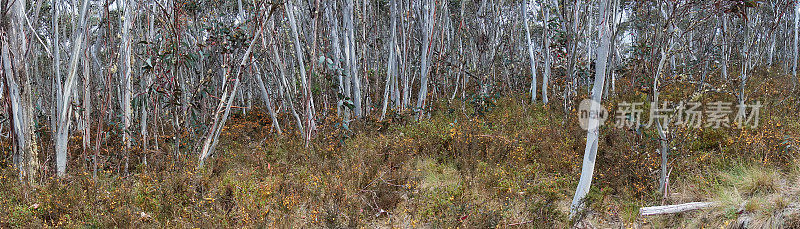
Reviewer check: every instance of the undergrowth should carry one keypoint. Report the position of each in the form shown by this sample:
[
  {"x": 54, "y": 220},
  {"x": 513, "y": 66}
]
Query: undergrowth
[{"x": 495, "y": 163}]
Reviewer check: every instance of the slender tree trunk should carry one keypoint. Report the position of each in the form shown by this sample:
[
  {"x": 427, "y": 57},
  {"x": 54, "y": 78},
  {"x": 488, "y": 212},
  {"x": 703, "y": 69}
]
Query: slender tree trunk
[
  {"x": 226, "y": 102},
  {"x": 428, "y": 20},
  {"x": 590, "y": 153},
  {"x": 56, "y": 68},
  {"x": 355, "y": 81},
  {"x": 531, "y": 49},
  {"x": 267, "y": 102},
  {"x": 87, "y": 106},
  {"x": 308, "y": 99},
  {"x": 546, "y": 54},
  {"x": 391, "y": 69},
  {"x": 662, "y": 135},
  {"x": 725, "y": 47},
  {"x": 330, "y": 14},
  {"x": 284, "y": 84},
  {"x": 796, "y": 47},
  {"x": 127, "y": 90}
]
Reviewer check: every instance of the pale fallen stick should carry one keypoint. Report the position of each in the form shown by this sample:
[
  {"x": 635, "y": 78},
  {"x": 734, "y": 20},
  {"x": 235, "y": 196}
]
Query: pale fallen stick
[{"x": 669, "y": 209}]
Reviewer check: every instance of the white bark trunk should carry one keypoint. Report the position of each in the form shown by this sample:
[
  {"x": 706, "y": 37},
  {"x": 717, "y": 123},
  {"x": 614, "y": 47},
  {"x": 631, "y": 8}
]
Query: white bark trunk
[
  {"x": 127, "y": 90},
  {"x": 355, "y": 81},
  {"x": 547, "y": 59},
  {"x": 427, "y": 25},
  {"x": 531, "y": 49},
  {"x": 590, "y": 152},
  {"x": 796, "y": 47},
  {"x": 225, "y": 103},
  {"x": 333, "y": 23},
  {"x": 308, "y": 99},
  {"x": 19, "y": 90},
  {"x": 63, "y": 116},
  {"x": 390, "y": 66},
  {"x": 267, "y": 102},
  {"x": 669, "y": 209}
]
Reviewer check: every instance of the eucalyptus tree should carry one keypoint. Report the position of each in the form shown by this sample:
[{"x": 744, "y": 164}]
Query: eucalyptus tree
[
  {"x": 351, "y": 57},
  {"x": 308, "y": 99},
  {"x": 126, "y": 77},
  {"x": 796, "y": 47},
  {"x": 548, "y": 62},
  {"x": 18, "y": 89},
  {"x": 226, "y": 100},
  {"x": 593, "y": 133},
  {"x": 524, "y": 7},
  {"x": 391, "y": 65},
  {"x": 428, "y": 8},
  {"x": 65, "y": 98}
]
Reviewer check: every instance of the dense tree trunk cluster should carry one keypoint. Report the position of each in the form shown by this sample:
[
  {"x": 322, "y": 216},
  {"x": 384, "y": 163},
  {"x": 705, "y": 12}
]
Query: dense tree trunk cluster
[{"x": 141, "y": 69}]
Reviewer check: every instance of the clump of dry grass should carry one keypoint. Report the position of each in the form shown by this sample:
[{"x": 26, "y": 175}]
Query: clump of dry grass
[{"x": 746, "y": 197}]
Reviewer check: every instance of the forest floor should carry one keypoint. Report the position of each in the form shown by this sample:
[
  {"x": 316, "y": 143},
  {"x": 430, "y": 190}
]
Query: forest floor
[{"x": 481, "y": 162}]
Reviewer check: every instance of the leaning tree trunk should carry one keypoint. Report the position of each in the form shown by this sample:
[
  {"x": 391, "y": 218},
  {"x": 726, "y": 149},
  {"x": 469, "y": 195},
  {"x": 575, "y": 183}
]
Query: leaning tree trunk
[
  {"x": 225, "y": 103},
  {"x": 590, "y": 152},
  {"x": 308, "y": 99},
  {"x": 265, "y": 97},
  {"x": 283, "y": 83}
]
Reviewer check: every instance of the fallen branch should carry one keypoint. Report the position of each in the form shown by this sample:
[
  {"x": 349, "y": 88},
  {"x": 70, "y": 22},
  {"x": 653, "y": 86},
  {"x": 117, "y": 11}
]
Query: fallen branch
[{"x": 670, "y": 209}]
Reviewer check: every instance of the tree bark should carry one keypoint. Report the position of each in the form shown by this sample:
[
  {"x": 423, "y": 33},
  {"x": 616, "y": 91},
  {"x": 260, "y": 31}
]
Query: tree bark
[
  {"x": 590, "y": 152},
  {"x": 64, "y": 103},
  {"x": 531, "y": 49},
  {"x": 19, "y": 90},
  {"x": 427, "y": 24}
]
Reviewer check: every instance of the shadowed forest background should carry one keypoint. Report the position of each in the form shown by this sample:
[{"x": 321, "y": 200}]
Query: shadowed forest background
[{"x": 395, "y": 113}]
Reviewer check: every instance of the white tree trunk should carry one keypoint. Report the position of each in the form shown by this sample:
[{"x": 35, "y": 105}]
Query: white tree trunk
[
  {"x": 355, "y": 81},
  {"x": 283, "y": 84},
  {"x": 546, "y": 54},
  {"x": 590, "y": 152},
  {"x": 531, "y": 49},
  {"x": 308, "y": 99},
  {"x": 63, "y": 116},
  {"x": 427, "y": 25},
  {"x": 267, "y": 102},
  {"x": 57, "y": 89},
  {"x": 19, "y": 90},
  {"x": 796, "y": 47},
  {"x": 127, "y": 90},
  {"x": 391, "y": 69},
  {"x": 662, "y": 135},
  {"x": 669, "y": 209},
  {"x": 330, "y": 14}
]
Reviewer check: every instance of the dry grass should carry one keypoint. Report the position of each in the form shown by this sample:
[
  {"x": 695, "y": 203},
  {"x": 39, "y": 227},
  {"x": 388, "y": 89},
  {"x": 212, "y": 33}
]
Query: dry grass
[{"x": 514, "y": 163}]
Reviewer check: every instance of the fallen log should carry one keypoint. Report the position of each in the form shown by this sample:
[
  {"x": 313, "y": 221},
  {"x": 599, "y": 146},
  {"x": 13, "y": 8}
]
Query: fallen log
[{"x": 670, "y": 209}]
